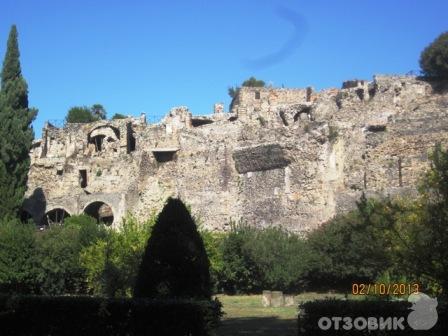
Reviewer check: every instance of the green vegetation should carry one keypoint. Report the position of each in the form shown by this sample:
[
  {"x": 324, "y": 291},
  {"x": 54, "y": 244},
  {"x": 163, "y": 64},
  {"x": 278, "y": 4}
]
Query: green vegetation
[
  {"x": 80, "y": 114},
  {"x": 84, "y": 114},
  {"x": 434, "y": 58},
  {"x": 98, "y": 111},
  {"x": 70, "y": 315},
  {"x": 16, "y": 133},
  {"x": 253, "y": 82},
  {"x": 18, "y": 261},
  {"x": 175, "y": 263},
  {"x": 118, "y": 116},
  {"x": 249, "y": 265},
  {"x": 112, "y": 263}
]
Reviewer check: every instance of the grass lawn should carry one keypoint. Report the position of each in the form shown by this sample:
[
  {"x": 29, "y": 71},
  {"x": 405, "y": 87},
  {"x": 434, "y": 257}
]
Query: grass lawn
[{"x": 245, "y": 315}]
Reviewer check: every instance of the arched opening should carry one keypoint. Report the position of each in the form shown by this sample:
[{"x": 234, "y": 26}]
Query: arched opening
[
  {"x": 102, "y": 136},
  {"x": 55, "y": 217},
  {"x": 101, "y": 211}
]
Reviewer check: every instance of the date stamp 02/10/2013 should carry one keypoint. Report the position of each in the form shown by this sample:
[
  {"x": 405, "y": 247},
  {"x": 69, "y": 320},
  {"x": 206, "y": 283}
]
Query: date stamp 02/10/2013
[{"x": 395, "y": 289}]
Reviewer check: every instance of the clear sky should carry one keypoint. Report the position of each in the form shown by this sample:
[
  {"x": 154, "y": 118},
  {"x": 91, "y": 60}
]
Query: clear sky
[{"x": 134, "y": 56}]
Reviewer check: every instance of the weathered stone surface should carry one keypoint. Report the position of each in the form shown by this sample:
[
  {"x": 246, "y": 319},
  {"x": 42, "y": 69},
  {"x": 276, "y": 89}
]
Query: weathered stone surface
[
  {"x": 259, "y": 158},
  {"x": 286, "y": 157},
  {"x": 277, "y": 299},
  {"x": 266, "y": 298}
]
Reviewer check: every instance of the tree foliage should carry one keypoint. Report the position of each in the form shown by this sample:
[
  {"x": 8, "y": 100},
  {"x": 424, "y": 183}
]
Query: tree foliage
[
  {"x": 16, "y": 133},
  {"x": 58, "y": 250},
  {"x": 98, "y": 111},
  {"x": 253, "y": 82},
  {"x": 352, "y": 247},
  {"x": 112, "y": 262},
  {"x": 434, "y": 58},
  {"x": 84, "y": 114},
  {"x": 256, "y": 259},
  {"x": 18, "y": 261},
  {"x": 175, "y": 262},
  {"x": 118, "y": 116},
  {"x": 80, "y": 114}
]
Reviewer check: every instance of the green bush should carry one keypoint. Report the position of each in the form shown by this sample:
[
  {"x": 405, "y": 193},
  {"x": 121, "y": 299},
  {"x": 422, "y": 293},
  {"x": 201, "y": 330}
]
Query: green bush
[
  {"x": 118, "y": 116},
  {"x": 19, "y": 271},
  {"x": 434, "y": 58},
  {"x": 175, "y": 262},
  {"x": 354, "y": 247},
  {"x": 112, "y": 263},
  {"x": 80, "y": 114},
  {"x": 257, "y": 259},
  {"x": 38, "y": 315},
  {"x": 212, "y": 243},
  {"x": 58, "y": 251}
]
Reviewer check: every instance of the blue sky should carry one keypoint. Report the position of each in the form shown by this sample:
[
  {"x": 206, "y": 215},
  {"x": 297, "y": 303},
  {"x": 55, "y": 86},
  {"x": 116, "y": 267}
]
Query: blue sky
[{"x": 135, "y": 56}]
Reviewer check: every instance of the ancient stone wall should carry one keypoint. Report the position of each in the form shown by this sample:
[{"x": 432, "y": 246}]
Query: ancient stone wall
[{"x": 287, "y": 157}]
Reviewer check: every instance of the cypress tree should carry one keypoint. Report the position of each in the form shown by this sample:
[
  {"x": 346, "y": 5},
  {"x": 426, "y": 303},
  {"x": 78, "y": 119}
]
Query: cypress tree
[
  {"x": 16, "y": 133},
  {"x": 175, "y": 263}
]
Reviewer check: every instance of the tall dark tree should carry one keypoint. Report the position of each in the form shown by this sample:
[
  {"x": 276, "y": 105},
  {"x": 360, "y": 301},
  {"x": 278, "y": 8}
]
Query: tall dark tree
[
  {"x": 175, "y": 263},
  {"x": 16, "y": 132}
]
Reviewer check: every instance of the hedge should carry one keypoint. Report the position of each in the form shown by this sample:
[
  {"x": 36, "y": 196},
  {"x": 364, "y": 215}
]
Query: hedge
[
  {"x": 70, "y": 315},
  {"x": 311, "y": 312}
]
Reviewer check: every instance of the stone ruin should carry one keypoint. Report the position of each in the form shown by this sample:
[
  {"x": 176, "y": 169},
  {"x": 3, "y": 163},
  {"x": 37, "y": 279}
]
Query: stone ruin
[{"x": 281, "y": 157}]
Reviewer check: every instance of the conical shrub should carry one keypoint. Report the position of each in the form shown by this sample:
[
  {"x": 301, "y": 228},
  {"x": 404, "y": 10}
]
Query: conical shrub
[{"x": 175, "y": 263}]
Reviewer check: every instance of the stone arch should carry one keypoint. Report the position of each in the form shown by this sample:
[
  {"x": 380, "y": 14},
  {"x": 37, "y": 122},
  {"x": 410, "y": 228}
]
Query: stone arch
[
  {"x": 102, "y": 135},
  {"x": 55, "y": 215},
  {"x": 101, "y": 211}
]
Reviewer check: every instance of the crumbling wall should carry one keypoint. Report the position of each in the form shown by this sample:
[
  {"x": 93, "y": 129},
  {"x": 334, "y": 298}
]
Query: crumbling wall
[{"x": 287, "y": 157}]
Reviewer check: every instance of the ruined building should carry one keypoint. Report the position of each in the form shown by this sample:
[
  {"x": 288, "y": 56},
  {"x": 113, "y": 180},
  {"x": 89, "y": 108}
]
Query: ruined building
[{"x": 287, "y": 157}]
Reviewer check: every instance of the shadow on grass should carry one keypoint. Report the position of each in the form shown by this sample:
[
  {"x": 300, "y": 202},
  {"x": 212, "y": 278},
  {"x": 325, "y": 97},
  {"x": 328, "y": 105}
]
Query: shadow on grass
[{"x": 257, "y": 326}]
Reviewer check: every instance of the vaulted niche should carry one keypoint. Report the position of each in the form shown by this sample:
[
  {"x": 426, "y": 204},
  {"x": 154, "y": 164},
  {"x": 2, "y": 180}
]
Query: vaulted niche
[
  {"x": 164, "y": 154},
  {"x": 101, "y": 211},
  {"x": 55, "y": 217},
  {"x": 101, "y": 137}
]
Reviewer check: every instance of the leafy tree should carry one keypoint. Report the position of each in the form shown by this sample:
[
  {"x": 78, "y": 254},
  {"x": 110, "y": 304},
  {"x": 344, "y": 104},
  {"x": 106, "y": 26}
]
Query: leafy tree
[
  {"x": 353, "y": 247},
  {"x": 112, "y": 262},
  {"x": 58, "y": 250},
  {"x": 425, "y": 238},
  {"x": 434, "y": 58},
  {"x": 98, "y": 111},
  {"x": 175, "y": 262},
  {"x": 240, "y": 273},
  {"x": 80, "y": 114},
  {"x": 18, "y": 262},
  {"x": 16, "y": 133},
  {"x": 256, "y": 259},
  {"x": 253, "y": 82},
  {"x": 118, "y": 116}
]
